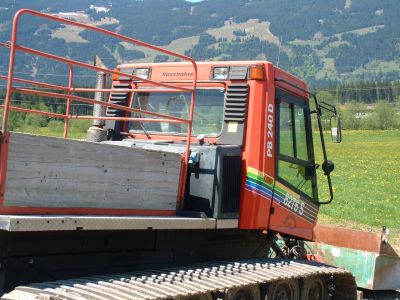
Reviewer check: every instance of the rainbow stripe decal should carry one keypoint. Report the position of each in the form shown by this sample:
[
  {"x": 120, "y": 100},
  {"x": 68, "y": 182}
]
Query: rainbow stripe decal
[
  {"x": 295, "y": 203},
  {"x": 265, "y": 186},
  {"x": 259, "y": 183}
]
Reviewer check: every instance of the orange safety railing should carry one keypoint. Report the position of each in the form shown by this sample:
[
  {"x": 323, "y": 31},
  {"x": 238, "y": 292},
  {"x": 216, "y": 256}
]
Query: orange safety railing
[{"x": 70, "y": 90}]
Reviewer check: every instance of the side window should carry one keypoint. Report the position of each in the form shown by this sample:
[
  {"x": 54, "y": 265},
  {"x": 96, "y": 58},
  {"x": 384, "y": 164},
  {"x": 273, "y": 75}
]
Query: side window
[
  {"x": 295, "y": 166},
  {"x": 286, "y": 129},
  {"x": 301, "y": 134}
]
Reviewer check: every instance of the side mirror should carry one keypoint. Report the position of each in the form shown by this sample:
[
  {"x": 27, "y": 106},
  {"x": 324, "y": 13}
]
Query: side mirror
[
  {"x": 328, "y": 166},
  {"x": 336, "y": 129}
]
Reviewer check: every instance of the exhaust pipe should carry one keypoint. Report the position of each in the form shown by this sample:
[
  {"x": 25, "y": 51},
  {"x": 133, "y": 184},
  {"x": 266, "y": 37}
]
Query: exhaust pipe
[{"x": 97, "y": 133}]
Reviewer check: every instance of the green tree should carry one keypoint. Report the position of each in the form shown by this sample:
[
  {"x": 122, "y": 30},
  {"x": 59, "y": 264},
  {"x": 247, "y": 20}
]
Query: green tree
[
  {"x": 353, "y": 115},
  {"x": 36, "y": 120},
  {"x": 384, "y": 117},
  {"x": 15, "y": 120},
  {"x": 327, "y": 97}
]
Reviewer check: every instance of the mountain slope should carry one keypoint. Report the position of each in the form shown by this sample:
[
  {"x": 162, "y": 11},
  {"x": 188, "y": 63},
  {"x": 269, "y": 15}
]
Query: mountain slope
[{"x": 320, "y": 41}]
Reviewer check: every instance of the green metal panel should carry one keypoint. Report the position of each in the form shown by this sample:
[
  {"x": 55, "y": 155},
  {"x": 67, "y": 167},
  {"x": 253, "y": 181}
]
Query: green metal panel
[
  {"x": 372, "y": 270},
  {"x": 387, "y": 273}
]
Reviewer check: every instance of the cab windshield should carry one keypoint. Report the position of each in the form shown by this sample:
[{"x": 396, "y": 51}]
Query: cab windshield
[{"x": 208, "y": 111}]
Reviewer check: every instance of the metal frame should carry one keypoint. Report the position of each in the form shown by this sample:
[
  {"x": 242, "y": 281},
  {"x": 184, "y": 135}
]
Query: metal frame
[
  {"x": 321, "y": 133},
  {"x": 294, "y": 101},
  {"x": 69, "y": 97},
  {"x": 26, "y": 223}
]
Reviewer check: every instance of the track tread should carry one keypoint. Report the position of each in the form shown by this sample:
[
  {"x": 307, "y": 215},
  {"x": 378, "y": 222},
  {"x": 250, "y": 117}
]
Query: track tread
[{"x": 191, "y": 280}]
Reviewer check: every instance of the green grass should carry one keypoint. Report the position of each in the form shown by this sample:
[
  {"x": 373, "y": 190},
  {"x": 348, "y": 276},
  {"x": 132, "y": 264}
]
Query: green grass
[
  {"x": 366, "y": 181},
  {"x": 77, "y": 129}
]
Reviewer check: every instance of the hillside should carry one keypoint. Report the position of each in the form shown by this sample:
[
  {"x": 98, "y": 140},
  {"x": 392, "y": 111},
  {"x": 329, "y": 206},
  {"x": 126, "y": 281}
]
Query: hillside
[{"x": 320, "y": 41}]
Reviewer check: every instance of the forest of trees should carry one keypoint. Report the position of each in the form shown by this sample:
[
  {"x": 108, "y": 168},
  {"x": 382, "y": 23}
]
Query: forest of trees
[
  {"x": 364, "y": 105},
  {"x": 20, "y": 120}
]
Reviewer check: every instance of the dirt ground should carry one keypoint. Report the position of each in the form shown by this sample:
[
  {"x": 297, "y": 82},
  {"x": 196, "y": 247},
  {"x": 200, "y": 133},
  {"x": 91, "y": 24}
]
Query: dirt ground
[{"x": 381, "y": 295}]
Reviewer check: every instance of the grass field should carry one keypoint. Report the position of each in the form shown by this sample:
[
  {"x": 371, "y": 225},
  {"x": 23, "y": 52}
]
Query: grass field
[
  {"x": 77, "y": 129},
  {"x": 366, "y": 182}
]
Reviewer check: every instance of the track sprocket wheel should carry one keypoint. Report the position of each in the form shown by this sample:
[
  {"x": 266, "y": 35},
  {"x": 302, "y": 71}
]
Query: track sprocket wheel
[
  {"x": 314, "y": 288},
  {"x": 284, "y": 290},
  {"x": 251, "y": 292}
]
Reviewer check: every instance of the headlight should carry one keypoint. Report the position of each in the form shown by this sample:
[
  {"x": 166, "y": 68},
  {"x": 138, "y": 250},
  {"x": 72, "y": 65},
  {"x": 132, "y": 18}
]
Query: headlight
[
  {"x": 220, "y": 73},
  {"x": 128, "y": 71},
  {"x": 143, "y": 73}
]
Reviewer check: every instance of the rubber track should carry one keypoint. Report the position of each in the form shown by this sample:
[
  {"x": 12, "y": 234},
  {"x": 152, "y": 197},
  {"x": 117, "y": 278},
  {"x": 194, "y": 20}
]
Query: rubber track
[{"x": 186, "y": 281}]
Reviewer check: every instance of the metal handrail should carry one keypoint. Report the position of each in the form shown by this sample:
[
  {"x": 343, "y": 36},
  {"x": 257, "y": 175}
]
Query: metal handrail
[{"x": 69, "y": 97}]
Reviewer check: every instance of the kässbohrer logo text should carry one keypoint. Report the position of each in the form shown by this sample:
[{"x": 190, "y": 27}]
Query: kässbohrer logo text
[{"x": 177, "y": 74}]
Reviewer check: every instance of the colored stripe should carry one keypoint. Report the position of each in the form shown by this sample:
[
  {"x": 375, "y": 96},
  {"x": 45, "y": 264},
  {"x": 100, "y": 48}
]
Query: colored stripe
[
  {"x": 258, "y": 192},
  {"x": 307, "y": 208},
  {"x": 280, "y": 187},
  {"x": 256, "y": 183},
  {"x": 259, "y": 182},
  {"x": 264, "y": 176},
  {"x": 312, "y": 208},
  {"x": 260, "y": 188},
  {"x": 282, "y": 193},
  {"x": 307, "y": 214}
]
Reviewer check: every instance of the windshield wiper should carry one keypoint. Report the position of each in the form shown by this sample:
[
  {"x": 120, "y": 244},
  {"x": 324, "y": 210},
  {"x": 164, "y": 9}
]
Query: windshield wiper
[{"x": 144, "y": 130}]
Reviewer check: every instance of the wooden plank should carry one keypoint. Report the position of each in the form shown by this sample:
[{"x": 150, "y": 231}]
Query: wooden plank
[{"x": 60, "y": 173}]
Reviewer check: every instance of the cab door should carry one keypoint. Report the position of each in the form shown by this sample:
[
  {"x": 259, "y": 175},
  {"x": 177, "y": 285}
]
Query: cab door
[{"x": 294, "y": 209}]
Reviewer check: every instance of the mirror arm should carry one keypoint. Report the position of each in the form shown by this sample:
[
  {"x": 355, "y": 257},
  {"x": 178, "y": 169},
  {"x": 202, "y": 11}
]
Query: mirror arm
[
  {"x": 321, "y": 135},
  {"x": 329, "y": 107}
]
